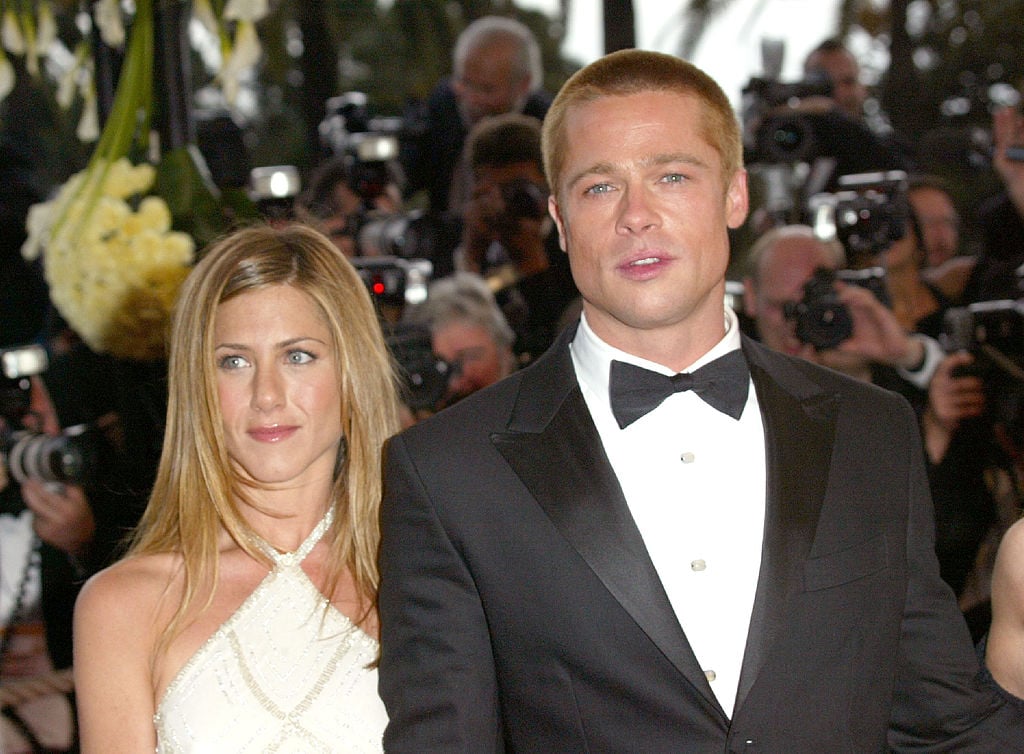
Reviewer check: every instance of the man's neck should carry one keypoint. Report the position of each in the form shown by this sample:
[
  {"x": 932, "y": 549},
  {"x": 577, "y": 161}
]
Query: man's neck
[{"x": 675, "y": 346}]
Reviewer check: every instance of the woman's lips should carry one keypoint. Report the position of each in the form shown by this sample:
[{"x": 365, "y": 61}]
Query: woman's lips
[{"x": 274, "y": 433}]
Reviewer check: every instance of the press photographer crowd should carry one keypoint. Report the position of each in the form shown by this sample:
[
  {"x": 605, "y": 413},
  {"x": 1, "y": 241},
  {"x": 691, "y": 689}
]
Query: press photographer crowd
[{"x": 852, "y": 257}]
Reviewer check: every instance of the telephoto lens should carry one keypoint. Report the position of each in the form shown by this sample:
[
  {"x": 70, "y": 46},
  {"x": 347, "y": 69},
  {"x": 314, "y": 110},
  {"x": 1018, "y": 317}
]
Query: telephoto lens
[{"x": 62, "y": 459}]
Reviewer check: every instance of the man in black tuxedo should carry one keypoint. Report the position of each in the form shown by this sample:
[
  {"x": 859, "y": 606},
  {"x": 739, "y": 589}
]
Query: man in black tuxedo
[{"x": 581, "y": 558}]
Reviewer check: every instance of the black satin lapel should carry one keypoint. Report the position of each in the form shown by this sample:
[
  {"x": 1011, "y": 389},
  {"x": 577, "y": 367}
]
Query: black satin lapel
[
  {"x": 565, "y": 468},
  {"x": 799, "y": 434}
]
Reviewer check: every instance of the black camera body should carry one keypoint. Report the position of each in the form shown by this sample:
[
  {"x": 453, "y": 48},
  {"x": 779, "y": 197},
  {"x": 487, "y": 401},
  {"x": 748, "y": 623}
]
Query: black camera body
[
  {"x": 394, "y": 281},
  {"x": 867, "y": 215},
  {"x": 822, "y": 320},
  {"x": 370, "y": 146},
  {"x": 773, "y": 136},
  {"x": 986, "y": 326},
  {"x": 425, "y": 375},
  {"x": 524, "y": 199},
  {"x": 993, "y": 332}
]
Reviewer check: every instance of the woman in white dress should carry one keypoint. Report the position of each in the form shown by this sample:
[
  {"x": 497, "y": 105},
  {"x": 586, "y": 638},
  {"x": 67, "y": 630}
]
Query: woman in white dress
[{"x": 243, "y": 617}]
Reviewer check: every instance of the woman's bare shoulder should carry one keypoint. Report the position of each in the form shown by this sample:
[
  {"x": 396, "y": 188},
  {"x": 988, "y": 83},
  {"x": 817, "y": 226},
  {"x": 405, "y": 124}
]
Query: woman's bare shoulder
[
  {"x": 133, "y": 585},
  {"x": 1011, "y": 548}
]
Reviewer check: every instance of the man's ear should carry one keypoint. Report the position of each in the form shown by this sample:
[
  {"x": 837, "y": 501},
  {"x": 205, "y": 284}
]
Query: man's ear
[
  {"x": 556, "y": 214},
  {"x": 737, "y": 201}
]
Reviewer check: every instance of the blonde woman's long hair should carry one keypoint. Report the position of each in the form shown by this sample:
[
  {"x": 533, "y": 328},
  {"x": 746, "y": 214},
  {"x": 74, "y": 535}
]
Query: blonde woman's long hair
[{"x": 197, "y": 490}]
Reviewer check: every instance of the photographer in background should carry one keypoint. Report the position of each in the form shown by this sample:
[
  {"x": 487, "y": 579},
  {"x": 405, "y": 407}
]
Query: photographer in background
[
  {"x": 850, "y": 97},
  {"x": 496, "y": 69},
  {"x": 946, "y": 267},
  {"x": 335, "y": 205},
  {"x": 880, "y": 350},
  {"x": 783, "y": 261},
  {"x": 57, "y": 533},
  {"x": 468, "y": 331},
  {"x": 507, "y": 234},
  {"x": 1001, "y": 218}
]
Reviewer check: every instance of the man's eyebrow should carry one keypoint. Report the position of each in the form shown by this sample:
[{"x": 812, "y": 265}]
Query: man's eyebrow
[{"x": 598, "y": 168}]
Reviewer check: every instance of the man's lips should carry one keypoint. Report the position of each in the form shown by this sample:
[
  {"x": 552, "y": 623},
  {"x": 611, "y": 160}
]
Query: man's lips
[
  {"x": 645, "y": 265},
  {"x": 273, "y": 433}
]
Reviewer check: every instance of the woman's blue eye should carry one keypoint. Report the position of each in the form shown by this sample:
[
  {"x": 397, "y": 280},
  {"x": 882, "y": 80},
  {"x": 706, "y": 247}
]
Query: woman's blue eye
[
  {"x": 234, "y": 361},
  {"x": 300, "y": 357}
]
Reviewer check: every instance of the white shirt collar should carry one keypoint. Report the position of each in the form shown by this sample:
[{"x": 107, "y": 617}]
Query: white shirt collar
[{"x": 593, "y": 356}]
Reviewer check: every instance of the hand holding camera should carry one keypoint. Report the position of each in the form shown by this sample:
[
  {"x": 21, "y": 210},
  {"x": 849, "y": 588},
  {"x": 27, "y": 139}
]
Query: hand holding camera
[
  {"x": 63, "y": 517},
  {"x": 954, "y": 395},
  {"x": 512, "y": 214},
  {"x": 876, "y": 333}
]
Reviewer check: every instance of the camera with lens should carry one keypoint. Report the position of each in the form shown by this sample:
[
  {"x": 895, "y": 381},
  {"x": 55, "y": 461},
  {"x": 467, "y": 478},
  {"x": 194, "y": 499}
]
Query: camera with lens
[
  {"x": 369, "y": 143},
  {"x": 67, "y": 458},
  {"x": 424, "y": 374},
  {"x": 822, "y": 320},
  {"x": 772, "y": 135},
  {"x": 993, "y": 332},
  {"x": 370, "y": 147},
  {"x": 524, "y": 199},
  {"x": 867, "y": 215},
  {"x": 393, "y": 283},
  {"x": 994, "y": 329}
]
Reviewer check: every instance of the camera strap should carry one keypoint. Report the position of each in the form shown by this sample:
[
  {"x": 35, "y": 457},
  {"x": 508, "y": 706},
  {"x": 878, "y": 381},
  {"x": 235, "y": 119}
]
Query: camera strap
[{"x": 31, "y": 570}]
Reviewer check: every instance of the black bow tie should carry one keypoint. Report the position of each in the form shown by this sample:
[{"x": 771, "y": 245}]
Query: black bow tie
[{"x": 635, "y": 391}]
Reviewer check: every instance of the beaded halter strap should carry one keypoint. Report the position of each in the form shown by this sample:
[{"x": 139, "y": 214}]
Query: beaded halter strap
[{"x": 285, "y": 560}]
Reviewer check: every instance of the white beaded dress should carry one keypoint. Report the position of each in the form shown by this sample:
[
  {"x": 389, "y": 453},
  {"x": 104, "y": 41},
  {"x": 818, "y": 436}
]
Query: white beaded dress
[{"x": 280, "y": 675}]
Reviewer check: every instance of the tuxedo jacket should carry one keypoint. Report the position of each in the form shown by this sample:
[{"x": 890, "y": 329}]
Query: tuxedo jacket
[{"x": 520, "y": 610}]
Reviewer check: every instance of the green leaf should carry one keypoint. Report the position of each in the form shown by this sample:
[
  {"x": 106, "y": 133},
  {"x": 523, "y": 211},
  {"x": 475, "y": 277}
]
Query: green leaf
[{"x": 195, "y": 203}]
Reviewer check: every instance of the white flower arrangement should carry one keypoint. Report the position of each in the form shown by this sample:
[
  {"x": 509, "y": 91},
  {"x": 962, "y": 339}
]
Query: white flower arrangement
[
  {"x": 111, "y": 258},
  {"x": 113, "y": 263}
]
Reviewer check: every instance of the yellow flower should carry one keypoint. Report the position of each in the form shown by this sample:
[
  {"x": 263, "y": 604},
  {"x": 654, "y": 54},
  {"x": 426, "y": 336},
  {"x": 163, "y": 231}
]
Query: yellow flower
[
  {"x": 124, "y": 180},
  {"x": 153, "y": 213},
  {"x": 106, "y": 220},
  {"x": 113, "y": 271}
]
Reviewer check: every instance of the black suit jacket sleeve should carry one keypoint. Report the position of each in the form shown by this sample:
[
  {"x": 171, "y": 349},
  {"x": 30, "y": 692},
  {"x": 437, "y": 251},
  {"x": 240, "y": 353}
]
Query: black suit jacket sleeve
[
  {"x": 940, "y": 702},
  {"x": 437, "y": 669}
]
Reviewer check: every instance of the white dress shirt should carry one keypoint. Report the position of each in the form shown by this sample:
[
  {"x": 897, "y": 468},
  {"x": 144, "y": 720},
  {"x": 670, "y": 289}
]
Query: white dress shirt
[{"x": 694, "y": 480}]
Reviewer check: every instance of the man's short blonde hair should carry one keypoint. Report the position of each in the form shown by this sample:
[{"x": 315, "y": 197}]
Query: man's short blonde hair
[{"x": 632, "y": 72}]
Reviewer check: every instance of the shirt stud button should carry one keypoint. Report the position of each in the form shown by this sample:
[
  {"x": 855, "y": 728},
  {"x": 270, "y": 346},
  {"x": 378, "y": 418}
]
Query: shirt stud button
[
  {"x": 687, "y": 457},
  {"x": 710, "y": 675},
  {"x": 698, "y": 565}
]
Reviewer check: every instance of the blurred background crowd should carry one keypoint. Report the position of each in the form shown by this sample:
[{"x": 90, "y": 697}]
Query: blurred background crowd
[{"x": 886, "y": 239}]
